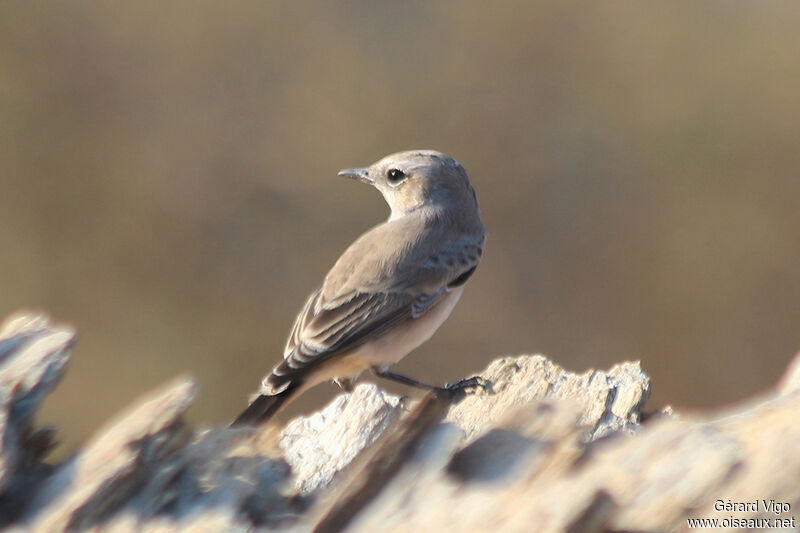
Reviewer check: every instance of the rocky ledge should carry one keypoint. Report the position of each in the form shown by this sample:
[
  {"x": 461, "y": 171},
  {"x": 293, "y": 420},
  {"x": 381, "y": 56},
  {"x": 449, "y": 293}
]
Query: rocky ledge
[{"x": 541, "y": 449}]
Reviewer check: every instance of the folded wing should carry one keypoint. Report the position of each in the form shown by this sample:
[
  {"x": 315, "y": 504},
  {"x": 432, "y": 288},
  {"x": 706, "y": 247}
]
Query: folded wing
[{"x": 329, "y": 326}]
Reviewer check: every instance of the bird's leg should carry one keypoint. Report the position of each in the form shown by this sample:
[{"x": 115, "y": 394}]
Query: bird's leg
[
  {"x": 475, "y": 381},
  {"x": 405, "y": 380}
]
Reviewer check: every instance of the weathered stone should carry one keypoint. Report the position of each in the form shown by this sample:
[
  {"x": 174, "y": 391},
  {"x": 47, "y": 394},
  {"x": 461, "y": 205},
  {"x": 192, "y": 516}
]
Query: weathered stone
[
  {"x": 320, "y": 445},
  {"x": 542, "y": 449},
  {"x": 119, "y": 460},
  {"x": 609, "y": 401},
  {"x": 33, "y": 357}
]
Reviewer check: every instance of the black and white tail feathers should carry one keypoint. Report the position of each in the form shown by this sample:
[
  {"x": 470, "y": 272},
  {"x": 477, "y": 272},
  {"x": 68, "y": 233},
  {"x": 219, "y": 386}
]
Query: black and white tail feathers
[{"x": 264, "y": 407}]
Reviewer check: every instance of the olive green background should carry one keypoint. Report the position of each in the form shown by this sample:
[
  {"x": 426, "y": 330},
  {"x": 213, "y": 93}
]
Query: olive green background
[{"x": 168, "y": 183}]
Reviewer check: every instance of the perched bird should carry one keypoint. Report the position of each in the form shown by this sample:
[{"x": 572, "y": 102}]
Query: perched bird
[{"x": 391, "y": 289}]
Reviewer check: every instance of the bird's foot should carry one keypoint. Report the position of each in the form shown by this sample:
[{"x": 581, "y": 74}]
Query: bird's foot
[{"x": 467, "y": 385}]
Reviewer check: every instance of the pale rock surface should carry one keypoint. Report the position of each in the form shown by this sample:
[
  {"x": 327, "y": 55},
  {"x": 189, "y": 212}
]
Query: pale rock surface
[
  {"x": 320, "y": 445},
  {"x": 609, "y": 400},
  {"x": 33, "y": 357},
  {"x": 542, "y": 449}
]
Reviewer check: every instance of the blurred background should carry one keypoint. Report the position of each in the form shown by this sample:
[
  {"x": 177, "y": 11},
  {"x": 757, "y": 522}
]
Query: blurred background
[{"x": 168, "y": 183}]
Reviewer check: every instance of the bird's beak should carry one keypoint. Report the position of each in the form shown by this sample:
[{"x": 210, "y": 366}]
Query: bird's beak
[{"x": 359, "y": 174}]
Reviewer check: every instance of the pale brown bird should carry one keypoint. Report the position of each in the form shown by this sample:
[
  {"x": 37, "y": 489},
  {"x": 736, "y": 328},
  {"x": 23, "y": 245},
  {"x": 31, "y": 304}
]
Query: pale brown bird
[{"x": 391, "y": 289}]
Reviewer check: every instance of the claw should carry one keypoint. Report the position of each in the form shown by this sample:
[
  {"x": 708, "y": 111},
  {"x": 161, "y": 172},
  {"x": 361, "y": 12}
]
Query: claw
[{"x": 468, "y": 383}]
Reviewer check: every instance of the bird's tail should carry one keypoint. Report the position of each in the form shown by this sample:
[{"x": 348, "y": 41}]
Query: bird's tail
[{"x": 263, "y": 407}]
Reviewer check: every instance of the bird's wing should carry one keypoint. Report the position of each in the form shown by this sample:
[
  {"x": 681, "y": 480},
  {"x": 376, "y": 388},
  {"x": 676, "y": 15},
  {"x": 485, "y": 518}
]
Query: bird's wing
[
  {"x": 322, "y": 330},
  {"x": 330, "y": 325}
]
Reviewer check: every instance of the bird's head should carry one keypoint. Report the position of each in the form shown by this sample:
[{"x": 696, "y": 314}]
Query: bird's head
[{"x": 417, "y": 179}]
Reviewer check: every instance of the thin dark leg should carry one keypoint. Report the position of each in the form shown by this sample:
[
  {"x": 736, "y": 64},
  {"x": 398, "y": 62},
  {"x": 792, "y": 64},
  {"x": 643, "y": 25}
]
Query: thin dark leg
[
  {"x": 475, "y": 381},
  {"x": 405, "y": 380}
]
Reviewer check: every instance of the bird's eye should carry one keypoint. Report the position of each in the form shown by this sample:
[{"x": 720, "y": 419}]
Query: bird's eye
[{"x": 395, "y": 176}]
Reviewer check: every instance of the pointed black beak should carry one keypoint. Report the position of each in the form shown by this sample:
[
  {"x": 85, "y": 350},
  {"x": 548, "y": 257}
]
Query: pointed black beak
[{"x": 359, "y": 174}]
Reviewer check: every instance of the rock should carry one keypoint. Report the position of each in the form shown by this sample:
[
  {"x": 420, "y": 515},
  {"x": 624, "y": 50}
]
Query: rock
[
  {"x": 131, "y": 452},
  {"x": 377, "y": 469},
  {"x": 321, "y": 445},
  {"x": 33, "y": 357},
  {"x": 790, "y": 382},
  {"x": 542, "y": 448},
  {"x": 608, "y": 401}
]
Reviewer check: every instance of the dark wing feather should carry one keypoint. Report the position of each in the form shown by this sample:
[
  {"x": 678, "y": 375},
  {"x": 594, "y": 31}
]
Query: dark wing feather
[
  {"x": 320, "y": 332},
  {"x": 325, "y": 330}
]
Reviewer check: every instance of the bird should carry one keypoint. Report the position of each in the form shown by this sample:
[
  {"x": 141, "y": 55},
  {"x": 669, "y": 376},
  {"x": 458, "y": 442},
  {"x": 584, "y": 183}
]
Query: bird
[{"x": 391, "y": 289}]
